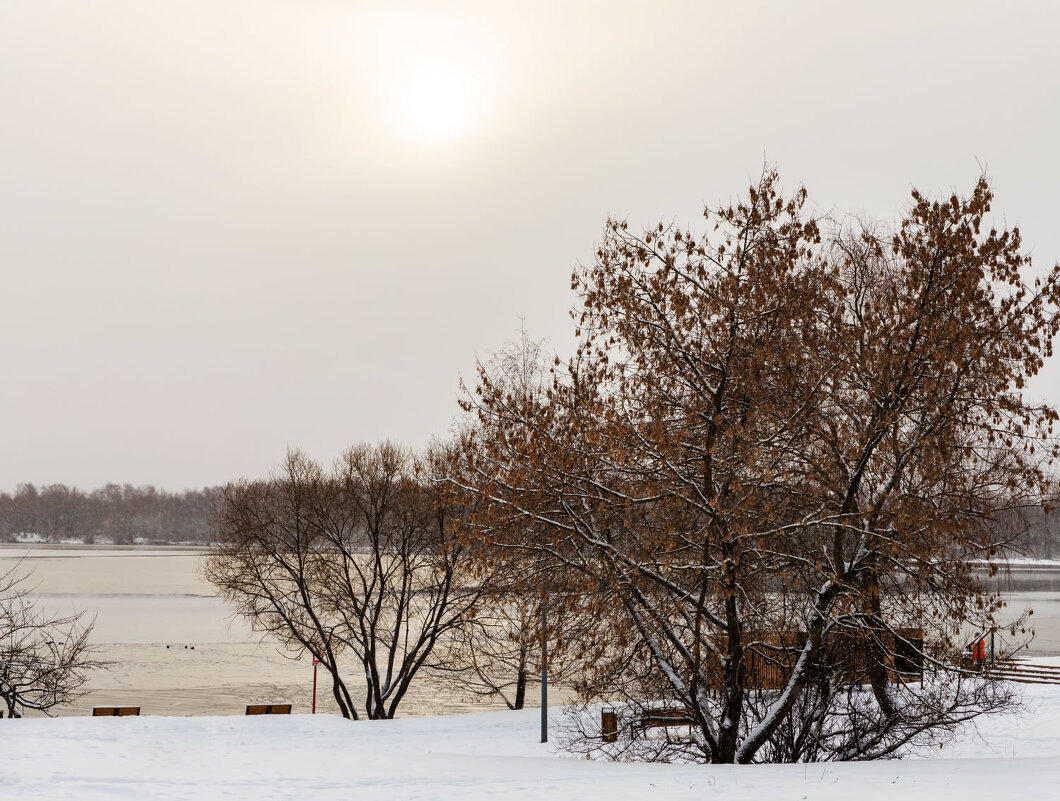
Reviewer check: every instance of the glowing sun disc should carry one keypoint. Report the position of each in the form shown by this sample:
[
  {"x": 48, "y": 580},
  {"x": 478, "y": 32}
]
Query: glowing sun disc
[{"x": 437, "y": 102}]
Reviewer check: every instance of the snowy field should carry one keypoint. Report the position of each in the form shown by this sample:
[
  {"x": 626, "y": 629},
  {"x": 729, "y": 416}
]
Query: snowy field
[{"x": 478, "y": 756}]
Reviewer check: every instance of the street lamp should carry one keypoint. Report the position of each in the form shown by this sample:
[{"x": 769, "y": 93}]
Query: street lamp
[
  {"x": 544, "y": 644},
  {"x": 316, "y": 662},
  {"x": 544, "y": 665}
]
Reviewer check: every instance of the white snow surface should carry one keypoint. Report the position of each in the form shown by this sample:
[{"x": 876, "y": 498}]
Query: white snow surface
[{"x": 479, "y": 756}]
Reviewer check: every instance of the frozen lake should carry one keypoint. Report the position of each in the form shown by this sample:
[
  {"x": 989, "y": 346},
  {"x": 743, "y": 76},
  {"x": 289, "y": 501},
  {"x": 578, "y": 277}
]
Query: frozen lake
[
  {"x": 1035, "y": 588},
  {"x": 174, "y": 647},
  {"x": 151, "y": 607}
]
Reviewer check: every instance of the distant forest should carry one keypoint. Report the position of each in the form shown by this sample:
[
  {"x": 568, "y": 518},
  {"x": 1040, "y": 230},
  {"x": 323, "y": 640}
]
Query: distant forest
[
  {"x": 1036, "y": 533},
  {"x": 119, "y": 514},
  {"x": 125, "y": 515}
]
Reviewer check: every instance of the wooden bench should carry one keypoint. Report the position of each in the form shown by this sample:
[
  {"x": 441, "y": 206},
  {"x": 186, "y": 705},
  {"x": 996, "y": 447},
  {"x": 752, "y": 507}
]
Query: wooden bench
[
  {"x": 114, "y": 711},
  {"x": 268, "y": 709},
  {"x": 663, "y": 718}
]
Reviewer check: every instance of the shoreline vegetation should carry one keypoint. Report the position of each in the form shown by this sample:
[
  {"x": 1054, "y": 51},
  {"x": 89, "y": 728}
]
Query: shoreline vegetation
[
  {"x": 116, "y": 514},
  {"x": 68, "y": 546},
  {"x": 125, "y": 515}
]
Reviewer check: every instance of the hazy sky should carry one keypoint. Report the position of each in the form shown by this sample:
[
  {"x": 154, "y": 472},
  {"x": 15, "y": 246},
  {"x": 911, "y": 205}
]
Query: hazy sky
[{"x": 231, "y": 227}]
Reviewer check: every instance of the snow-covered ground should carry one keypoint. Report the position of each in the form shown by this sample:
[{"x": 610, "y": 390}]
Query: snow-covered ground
[{"x": 478, "y": 756}]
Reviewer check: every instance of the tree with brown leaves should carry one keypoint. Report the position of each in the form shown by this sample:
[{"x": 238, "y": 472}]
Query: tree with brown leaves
[{"x": 772, "y": 459}]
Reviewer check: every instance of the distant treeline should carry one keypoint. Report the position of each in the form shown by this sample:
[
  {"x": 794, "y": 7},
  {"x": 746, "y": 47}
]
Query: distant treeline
[
  {"x": 125, "y": 515},
  {"x": 1036, "y": 532},
  {"x": 121, "y": 514}
]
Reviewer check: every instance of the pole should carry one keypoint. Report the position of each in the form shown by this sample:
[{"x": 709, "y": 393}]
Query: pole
[
  {"x": 316, "y": 662},
  {"x": 544, "y": 667},
  {"x": 544, "y": 642}
]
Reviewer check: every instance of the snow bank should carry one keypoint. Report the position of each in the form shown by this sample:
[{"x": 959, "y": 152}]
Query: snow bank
[{"x": 491, "y": 755}]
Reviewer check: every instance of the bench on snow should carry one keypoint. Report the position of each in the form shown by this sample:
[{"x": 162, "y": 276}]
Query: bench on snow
[
  {"x": 114, "y": 711},
  {"x": 268, "y": 709},
  {"x": 662, "y": 717}
]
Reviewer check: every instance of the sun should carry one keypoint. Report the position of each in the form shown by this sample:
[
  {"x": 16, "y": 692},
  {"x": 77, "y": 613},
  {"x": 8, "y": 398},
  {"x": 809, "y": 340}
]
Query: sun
[
  {"x": 435, "y": 77},
  {"x": 437, "y": 101}
]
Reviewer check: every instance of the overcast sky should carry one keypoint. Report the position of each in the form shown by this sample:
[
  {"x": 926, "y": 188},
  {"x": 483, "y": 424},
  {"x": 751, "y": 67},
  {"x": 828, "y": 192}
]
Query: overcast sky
[{"x": 227, "y": 228}]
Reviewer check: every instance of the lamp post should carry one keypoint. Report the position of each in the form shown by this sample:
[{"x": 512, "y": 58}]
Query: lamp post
[
  {"x": 316, "y": 661},
  {"x": 544, "y": 664},
  {"x": 544, "y": 642}
]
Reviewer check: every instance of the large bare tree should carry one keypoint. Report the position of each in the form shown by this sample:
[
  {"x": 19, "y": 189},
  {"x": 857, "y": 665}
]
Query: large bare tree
[
  {"x": 44, "y": 659},
  {"x": 356, "y": 564},
  {"x": 773, "y": 456}
]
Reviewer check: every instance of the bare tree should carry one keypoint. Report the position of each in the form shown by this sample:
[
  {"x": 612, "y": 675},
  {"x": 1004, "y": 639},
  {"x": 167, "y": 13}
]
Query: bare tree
[
  {"x": 44, "y": 660},
  {"x": 496, "y": 652},
  {"x": 773, "y": 457},
  {"x": 499, "y": 650},
  {"x": 356, "y": 564}
]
